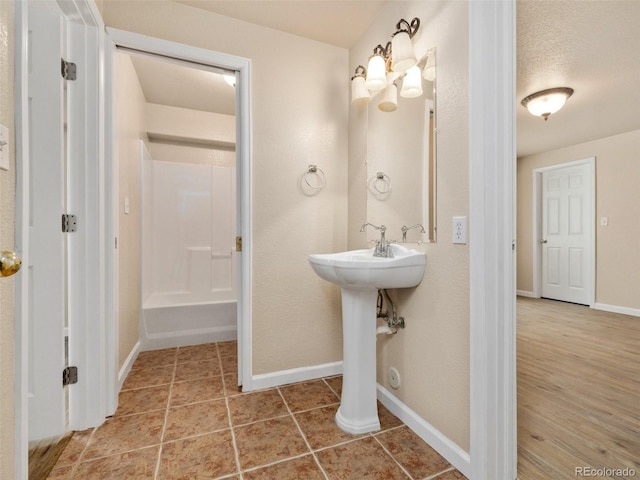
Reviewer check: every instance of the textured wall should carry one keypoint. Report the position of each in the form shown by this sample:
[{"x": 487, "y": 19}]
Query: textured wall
[
  {"x": 299, "y": 114},
  {"x": 432, "y": 353},
  {"x": 130, "y": 121},
  {"x": 617, "y": 197},
  {"x": 7, "y": 221}
]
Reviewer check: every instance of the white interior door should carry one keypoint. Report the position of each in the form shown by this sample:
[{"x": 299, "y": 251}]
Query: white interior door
[
  {"x": 47, "y": 263},
  {"x": 567, "y": 229}
]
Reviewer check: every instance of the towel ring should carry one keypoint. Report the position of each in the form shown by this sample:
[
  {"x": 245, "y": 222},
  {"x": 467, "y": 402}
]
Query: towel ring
[
  {"x": 384, "y": 180},
  {"x": 317, "y": 172}
]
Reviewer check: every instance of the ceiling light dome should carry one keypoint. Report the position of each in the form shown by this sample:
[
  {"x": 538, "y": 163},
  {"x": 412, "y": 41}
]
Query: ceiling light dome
[{"x": 547, "y": 102}]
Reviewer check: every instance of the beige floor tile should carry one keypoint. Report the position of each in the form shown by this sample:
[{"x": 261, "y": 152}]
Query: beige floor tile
[
  {"x": 122, "y": 434},
  {"x": 228, "y": 349},
  {"x": 413, "y": 453},
  {"x": 229, "y": 365},
  {"x": 155, "y": 358},
  {"x": 148, "y": 377},
  {"x": 335, "y": 383},
  {"x": 196, "y": 419},
  {"x": 198, "y": 353},
  {"x": 231, "y": 386},
  {"x": 251, "y": 407},
  {"x": 206, "y": 457},
  {"x": 451, "y": 475},
  {"x": 64, "y": 472},
  {"x": 306, "y": 395},
  {"x": 269, "y": 441},
  {"x": 387, "y": 419},
  {"x": 358, "y": 460},
  {"x": 319, "y": 426},
  {"x": 194, "y": 391},
  {"x": 75, "y": 447},
  {"x": 143, "y": 400},
  {"x": 302, "y": 468},
  {"x": 139, "y": 465},
  {"x": 195, "y": 370}
]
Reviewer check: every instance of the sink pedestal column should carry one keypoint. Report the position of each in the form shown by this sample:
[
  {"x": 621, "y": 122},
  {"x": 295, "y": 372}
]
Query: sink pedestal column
[{"x": 358, "y": 412}]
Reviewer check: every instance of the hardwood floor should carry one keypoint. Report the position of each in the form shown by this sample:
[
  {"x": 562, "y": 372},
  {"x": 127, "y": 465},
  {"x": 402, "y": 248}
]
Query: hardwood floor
[{"x": 578, "y": 392}]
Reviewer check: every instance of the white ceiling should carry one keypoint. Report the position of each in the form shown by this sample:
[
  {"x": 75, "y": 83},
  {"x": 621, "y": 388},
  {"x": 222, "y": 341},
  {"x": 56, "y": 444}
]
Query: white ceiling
[{"x": 590, "y": 46}]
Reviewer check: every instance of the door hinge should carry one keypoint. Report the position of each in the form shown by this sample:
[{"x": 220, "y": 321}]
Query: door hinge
[
  {"x": 238, "y": 244},
  {"x": 68, "y": 70},
  {"x": 69, "y": 223},
  {"x": 69, "y": 376}
]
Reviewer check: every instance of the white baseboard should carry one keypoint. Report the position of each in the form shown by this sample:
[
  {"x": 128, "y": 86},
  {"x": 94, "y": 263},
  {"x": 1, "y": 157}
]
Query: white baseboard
[
  {"x": 525, "y": 293},
  {"x": 183, "y": 338},
  {"x": 634, "y": 312},
  {"x": 128, "y": 363},
  {"x": 284, "y": 377},
  {"x": 455, "y": 455}
]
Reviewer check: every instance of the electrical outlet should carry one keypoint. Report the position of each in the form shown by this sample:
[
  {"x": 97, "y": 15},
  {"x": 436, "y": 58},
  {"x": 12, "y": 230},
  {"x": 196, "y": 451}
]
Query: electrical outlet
[
  {"x": 393, "y": 377},
  {"x": 460, "y": 230}
]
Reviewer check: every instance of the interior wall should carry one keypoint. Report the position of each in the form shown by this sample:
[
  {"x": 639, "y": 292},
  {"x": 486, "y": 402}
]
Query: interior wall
[
  {"x": 7, "y": 238},
  {"x": 617, "y": 198},
  {"x": 299, "y": 106},
  {"x": 432, "y": 353},
  {"x": 130, "y": 127}
]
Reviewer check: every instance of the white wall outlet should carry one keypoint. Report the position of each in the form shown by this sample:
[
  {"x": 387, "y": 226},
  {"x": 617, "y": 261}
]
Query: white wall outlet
[
  {"x": 393, "y": 377},
  {"x": 4, "y": 147},
  {"x": 460, "y": 230},
  {"x": 126, "y": 205},
  {"x": 604, "y": 221}
]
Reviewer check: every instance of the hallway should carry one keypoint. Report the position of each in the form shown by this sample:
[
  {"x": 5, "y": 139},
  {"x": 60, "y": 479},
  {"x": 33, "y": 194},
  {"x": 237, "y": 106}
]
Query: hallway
[
  {"x": 578, "y": 390},
  {"x": 181, "y": 416}
]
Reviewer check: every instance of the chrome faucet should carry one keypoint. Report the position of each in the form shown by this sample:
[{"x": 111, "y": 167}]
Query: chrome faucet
[
  {"x": 382, "y": 246},
  {"x": 405, "y": 229}
]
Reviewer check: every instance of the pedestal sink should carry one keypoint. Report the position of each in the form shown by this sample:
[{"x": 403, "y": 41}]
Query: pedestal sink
[{"x": 360, "y": 275}]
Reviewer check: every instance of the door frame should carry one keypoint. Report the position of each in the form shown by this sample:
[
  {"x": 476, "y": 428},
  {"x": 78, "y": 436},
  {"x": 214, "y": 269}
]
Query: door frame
[
  {"x": 89, "y": 294},
  {"x": 188, "y": 53},
  {"x": 536, "y": 227}
]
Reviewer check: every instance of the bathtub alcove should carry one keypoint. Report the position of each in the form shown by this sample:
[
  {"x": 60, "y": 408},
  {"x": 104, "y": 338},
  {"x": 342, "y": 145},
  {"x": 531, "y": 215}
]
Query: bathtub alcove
[{"x": 189, "y": 265}]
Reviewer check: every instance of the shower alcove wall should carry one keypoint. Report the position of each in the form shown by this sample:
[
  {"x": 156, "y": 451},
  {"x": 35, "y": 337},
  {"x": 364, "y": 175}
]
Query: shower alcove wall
[{"x": 189, "y": 267}]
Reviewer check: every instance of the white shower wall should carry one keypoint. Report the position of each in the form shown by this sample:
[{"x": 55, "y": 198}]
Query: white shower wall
[{"x": 189, "y": 278}]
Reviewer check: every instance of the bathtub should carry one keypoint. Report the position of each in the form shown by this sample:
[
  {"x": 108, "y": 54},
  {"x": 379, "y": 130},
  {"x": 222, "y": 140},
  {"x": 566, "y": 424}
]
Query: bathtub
[{"x": 174, "y": 320}]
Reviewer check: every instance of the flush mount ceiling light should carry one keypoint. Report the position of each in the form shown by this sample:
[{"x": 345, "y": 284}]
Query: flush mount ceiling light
[
  {"x": 547, "y": 102},
  {"x": 397, "y": 60}
]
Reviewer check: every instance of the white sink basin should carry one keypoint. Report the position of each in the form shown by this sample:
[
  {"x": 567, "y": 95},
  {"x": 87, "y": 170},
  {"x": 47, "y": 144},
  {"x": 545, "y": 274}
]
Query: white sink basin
[
  {"x": 360, "y": 276},
  {"x": 360, "y": 269}
]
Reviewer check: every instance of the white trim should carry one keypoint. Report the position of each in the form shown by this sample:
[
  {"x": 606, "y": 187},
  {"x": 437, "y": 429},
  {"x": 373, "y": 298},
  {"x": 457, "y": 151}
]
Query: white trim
[
  {"x": 492, "y": 157},
  {"x": 455, "y": 455},
  {"x": 634, "y": 312},
  {"x": 242, "y": 66},
  {"x": 301, "y": 374},
  {"x": 126, "y": 366},
  {"x": 536, "y": 214},
  {"x": 525, "y": 293}
]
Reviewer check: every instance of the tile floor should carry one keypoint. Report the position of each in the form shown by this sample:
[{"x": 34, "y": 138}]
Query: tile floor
[{"x": 181, "y": 416}]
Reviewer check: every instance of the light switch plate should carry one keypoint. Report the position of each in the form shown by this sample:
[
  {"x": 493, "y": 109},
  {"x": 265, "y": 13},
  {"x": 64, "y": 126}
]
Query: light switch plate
[
  {"x": 126, "y": 205},
  {"x": 4, "y": 147}
]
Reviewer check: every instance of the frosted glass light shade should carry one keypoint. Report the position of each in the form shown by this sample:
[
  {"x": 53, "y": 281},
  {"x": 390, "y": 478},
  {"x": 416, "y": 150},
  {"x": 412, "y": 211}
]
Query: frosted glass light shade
[
  {"x": 389, "y": 101},
  {"x": 376, "y": 73},
  {"x": 429, "y": 72},
  {"x": 412, "y": 83},
  {"x": 402, "y": 54},
  {"x": 547, "y": 102},
  {"x": 359, "y": 92}
]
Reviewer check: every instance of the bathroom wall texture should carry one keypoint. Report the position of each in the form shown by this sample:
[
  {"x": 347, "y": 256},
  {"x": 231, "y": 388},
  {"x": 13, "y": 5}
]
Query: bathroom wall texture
[
  {"x": 617, "y": 198},
  {"x": 7, "y": 236},
  {"x": 130, "y": 127},
  {"x": 299, "y": 92},
  {"x": 432, "y": 353}
]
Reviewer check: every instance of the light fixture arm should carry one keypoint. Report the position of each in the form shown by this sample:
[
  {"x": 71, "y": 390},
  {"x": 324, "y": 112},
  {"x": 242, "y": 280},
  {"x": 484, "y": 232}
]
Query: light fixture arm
[
  {"x": 360, "y": 72},
  {"x": 410, "y": 28}
]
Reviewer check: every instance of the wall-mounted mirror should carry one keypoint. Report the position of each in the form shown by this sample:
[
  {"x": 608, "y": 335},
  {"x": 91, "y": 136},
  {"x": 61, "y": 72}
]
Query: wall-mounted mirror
[{"x": 401, "y": 164}]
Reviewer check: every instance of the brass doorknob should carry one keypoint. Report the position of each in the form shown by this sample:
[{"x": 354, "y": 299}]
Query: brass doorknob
[{"x": 10, "y": 263}]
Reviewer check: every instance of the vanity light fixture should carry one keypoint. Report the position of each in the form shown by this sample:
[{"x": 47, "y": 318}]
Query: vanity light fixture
[
  {"x": 546, "y": 102},
  {"x": 403, "y": 56},
  {"x": 396, "y": 61}
]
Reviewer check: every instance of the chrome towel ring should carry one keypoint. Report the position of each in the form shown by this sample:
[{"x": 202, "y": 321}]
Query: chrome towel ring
[
  {"x": 314, "y": 177},
  {"x": 380, "y": 184}
]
